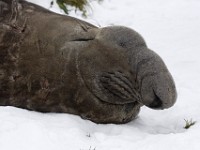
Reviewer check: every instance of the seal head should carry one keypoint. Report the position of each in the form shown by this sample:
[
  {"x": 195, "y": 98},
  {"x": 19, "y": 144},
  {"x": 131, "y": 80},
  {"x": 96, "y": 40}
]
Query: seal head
[{"x": 121, "y": 69}]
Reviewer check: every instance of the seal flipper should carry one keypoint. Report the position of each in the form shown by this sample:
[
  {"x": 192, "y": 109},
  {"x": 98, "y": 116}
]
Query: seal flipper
[{"x": 118, "y": 88}]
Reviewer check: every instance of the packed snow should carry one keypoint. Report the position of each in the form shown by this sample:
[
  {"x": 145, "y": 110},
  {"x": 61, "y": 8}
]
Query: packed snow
[{"x": 172, "y": 29}]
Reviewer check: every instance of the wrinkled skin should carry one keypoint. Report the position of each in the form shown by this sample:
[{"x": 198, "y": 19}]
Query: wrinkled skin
[{"x": 55, "y": 63}]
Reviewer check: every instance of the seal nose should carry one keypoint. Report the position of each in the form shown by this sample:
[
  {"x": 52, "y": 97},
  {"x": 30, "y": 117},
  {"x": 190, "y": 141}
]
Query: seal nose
[{"x": 157, "y": 103}]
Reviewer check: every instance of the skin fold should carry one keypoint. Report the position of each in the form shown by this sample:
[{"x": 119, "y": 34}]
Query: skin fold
[{"x": 55, "y": 63}]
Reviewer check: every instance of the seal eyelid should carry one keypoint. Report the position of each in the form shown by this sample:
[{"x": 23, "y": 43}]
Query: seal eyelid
[
  {"x": 83, "y": 39},
  {"x": 122, "y": 44}
]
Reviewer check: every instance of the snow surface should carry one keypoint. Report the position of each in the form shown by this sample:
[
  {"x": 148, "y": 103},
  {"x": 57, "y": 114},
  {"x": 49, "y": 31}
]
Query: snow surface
[{"x": 172, "y": 29}]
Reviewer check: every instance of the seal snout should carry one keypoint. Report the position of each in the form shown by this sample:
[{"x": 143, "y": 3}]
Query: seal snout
[{"x": 158, "y": 89}]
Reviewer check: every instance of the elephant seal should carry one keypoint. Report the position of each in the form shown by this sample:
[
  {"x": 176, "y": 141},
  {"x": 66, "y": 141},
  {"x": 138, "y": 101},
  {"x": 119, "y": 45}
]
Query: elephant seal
[{"x": 55, "y": 63}]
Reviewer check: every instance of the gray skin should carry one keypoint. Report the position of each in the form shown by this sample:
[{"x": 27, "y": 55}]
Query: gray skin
[{"x": 55, "y": 63}]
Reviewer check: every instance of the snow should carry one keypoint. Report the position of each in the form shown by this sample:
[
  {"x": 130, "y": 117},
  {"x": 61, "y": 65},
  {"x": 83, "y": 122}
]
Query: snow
[{"x": 171, "y": 28}]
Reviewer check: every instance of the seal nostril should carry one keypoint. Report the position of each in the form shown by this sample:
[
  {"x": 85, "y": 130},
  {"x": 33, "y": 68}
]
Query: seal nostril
[{"x": 157, "y": 103}]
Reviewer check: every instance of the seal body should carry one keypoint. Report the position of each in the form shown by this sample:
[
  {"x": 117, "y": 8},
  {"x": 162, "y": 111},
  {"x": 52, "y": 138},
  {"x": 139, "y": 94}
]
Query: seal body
[
  {"x": 40, "y": 65},
  {"x": 55, "y": 63}
]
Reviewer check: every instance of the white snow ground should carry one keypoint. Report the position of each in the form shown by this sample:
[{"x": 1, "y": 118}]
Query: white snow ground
[{"x": 172, "y": 29}]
